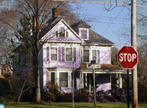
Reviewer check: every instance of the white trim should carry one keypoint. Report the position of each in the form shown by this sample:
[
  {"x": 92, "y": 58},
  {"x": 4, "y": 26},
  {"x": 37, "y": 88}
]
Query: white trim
[
  {"x": 87, "y": 33},
  {"x": 71, "y": 29}
]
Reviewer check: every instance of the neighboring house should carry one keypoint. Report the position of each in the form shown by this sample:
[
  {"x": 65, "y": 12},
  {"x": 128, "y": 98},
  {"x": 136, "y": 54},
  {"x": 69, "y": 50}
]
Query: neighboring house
[
  {"x": 4, "y": 69},
  {"x": 71, "y": 48}
]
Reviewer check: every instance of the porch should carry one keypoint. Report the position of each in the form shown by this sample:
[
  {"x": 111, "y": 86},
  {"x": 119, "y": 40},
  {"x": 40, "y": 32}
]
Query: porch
[{"x": 84, "y": 78}]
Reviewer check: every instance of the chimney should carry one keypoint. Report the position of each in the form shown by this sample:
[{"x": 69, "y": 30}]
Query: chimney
[{"x": 54, "y": 12}]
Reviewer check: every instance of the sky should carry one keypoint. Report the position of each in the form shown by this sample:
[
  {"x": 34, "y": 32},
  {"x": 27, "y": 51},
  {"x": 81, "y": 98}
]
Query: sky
[{"x": 109, "y": 24}]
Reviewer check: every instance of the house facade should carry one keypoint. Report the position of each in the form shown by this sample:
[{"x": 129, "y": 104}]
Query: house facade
[{"x": 69, "y": 49}]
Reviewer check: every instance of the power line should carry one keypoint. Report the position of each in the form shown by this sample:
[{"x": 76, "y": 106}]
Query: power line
[
  {"x": 83, "y": 1},
  {"x": 113, "y": 20}
]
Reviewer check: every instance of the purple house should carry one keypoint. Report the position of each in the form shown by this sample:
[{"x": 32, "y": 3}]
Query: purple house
[{"x": 71, "y": 48}]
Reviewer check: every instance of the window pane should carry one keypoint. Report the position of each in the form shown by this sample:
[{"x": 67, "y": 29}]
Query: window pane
[
  {"x": 53, "y": 53},
  {"x": 84, "y": 34},
  {"x": 62, "y": 32},
  {"x": 86, "y": 55},
  {"x": 94, "y": 54},
  {"x": 68, "y": 54},
  {"x": 63, "y": 79},
  {"x": 53, "y": 78}
]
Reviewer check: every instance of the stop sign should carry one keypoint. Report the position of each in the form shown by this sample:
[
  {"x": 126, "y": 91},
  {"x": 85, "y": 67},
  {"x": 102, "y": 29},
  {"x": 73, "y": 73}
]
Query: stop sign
[{"x": 127, "y": 57}]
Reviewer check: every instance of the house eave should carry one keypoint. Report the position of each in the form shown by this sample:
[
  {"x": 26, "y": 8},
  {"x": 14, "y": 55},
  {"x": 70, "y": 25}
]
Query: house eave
[{"x": 99, "y": 44}]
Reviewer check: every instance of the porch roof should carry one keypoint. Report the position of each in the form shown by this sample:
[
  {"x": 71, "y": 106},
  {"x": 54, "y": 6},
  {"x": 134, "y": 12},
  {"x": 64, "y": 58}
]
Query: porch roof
[{"x": 104, "y": 69}]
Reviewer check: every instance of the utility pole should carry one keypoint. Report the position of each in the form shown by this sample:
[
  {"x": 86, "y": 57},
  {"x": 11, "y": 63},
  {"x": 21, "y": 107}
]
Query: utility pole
[
  {"x": 94, "y": 94},
  {"x": 134, "y": 44}
]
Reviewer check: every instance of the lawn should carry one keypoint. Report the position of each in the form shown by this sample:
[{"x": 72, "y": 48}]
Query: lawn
[{"x": 69, "y": 105}]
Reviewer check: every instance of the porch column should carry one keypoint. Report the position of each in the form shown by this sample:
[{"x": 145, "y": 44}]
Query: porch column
[
  {"x": 85, "y": 80},
  {"x": 81, "y": 81},
  {"x": 89, "y": 84},
  {"x": 119, "y": 81}
]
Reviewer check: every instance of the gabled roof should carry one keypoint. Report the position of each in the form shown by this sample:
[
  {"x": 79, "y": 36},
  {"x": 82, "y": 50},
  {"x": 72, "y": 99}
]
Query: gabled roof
[
  {"x": 53, "y": 23},
  {"x": 95, "y": 38}
]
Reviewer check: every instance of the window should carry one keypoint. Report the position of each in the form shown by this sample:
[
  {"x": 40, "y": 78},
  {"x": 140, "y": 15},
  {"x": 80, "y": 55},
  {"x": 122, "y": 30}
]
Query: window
[
  {"x": 86, "y": 55},
  {"x": 53, "y": 53},
  {"x": 63, "y": 79},
  {"x": 53, "y": 78},
  {"x": 62, "y": 32},
  {"x": 93, "y": 54},
  {"x": 84, "y": 34},
  {"x": 68, "y": 54}
]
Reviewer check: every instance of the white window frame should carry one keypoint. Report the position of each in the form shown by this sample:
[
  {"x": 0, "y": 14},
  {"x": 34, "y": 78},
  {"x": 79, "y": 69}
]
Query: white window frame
[
  {"x": 57, "y": 33},
  {"x": 51, "y": 54},
  {"x": 87, "y": 33}
]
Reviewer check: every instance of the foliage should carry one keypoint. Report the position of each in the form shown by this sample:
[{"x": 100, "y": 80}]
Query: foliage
[
  {"x": 12, "y": 87},
  {"x": 5, "y": 92},
  {"x": 3, "y": 100},
  {"x": 52, "y": 92}
]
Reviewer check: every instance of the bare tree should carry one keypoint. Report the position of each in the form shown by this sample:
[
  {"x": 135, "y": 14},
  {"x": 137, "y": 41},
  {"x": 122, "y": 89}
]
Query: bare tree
[{"x": 36, "y": 13}]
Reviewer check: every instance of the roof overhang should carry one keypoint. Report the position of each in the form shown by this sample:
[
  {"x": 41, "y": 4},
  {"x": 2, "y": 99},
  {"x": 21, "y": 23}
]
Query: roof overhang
[{"x": 103, "y": 69}]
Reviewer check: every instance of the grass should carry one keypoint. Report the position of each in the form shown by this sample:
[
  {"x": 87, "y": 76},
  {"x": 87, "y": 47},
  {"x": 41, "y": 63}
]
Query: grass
[{"x": 69, "y": 105}]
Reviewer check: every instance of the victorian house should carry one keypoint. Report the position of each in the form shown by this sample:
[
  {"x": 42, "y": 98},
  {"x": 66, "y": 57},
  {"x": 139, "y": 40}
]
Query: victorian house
[{"x": 70, "y": 48}]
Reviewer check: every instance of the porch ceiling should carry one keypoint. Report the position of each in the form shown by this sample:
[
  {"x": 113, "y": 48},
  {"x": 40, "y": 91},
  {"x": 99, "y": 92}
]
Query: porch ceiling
[{"x": 104, "y": 69}]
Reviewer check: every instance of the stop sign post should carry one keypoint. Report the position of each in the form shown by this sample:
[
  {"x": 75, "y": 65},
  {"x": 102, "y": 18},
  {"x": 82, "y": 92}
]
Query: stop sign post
[{"x": 127, "y": 57}]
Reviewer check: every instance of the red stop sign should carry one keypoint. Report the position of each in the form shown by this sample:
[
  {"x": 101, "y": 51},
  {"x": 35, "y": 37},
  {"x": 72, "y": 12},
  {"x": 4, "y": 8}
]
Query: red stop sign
[{"x": 127, "y": 57}]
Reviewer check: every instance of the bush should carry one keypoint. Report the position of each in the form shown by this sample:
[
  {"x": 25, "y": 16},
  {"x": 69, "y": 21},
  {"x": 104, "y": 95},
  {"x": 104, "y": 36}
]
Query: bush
[
  {"x": 51, "y": 93},
  {"x": 3, "y": 100}
]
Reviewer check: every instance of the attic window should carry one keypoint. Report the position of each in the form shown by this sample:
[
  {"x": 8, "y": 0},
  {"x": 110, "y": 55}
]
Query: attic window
[{"x": 62, "y": 32}]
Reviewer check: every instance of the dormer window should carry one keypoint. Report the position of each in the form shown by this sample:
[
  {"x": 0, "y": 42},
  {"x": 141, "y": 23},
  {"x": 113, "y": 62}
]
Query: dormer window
[
  {"x": 62, "y": 32},
  {"x": 84, "y": 33}
]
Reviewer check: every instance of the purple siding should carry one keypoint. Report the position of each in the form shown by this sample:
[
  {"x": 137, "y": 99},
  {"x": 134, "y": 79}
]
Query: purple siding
[{"x": 47, "y": 53}]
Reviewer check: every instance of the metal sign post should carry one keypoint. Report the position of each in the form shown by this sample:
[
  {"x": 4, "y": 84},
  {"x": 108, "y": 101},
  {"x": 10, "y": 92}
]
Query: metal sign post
[
  {"x": 128, "y": 90},
  {"x": 94, "y": 93}
]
